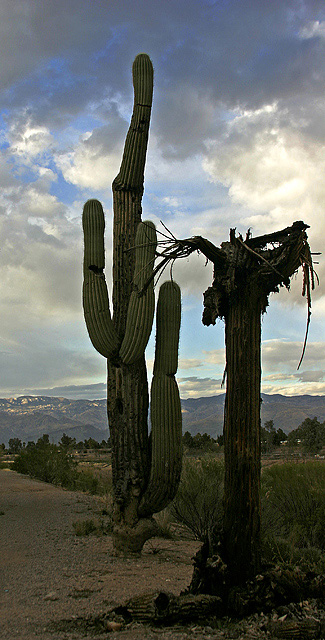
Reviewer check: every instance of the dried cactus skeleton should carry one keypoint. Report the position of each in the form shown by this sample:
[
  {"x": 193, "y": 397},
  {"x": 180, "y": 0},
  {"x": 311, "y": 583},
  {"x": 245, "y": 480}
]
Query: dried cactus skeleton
[
  {"x": 245, "y": 273},
  {"x": 145, "y": 472}
]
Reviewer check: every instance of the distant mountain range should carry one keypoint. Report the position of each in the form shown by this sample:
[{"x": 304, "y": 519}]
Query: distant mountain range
[{"x": 28, "y": 417}]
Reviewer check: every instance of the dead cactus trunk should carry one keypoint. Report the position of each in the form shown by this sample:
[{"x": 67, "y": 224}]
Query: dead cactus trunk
[{"x": 245, "y": 273}]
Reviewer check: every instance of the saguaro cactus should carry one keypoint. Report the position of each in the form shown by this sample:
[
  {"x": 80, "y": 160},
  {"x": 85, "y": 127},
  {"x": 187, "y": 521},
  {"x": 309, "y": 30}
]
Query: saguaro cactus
[{"x": 145, "y": 474}]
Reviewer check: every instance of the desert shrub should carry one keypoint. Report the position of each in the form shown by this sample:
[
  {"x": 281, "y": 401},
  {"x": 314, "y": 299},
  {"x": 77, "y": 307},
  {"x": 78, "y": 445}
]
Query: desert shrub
[
  {"x": 55, "y": 464},
  {"x": 98, "y": 526},
  {"x": 95, "y": 479},
  {"x": 47, "y": 462},
  {"x": 198, "y": 502},
  {"x": 277, "y": 550},
  {"x": 293, "y": 504},
  {"x": 84, "y": 527},
  {"x": 165, "y": 523},
  {"x": 86, "y": 481}
]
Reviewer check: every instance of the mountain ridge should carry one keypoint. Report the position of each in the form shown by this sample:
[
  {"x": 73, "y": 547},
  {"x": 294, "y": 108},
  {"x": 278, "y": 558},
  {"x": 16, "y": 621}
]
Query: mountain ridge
[{"x": 28, "y": 417}]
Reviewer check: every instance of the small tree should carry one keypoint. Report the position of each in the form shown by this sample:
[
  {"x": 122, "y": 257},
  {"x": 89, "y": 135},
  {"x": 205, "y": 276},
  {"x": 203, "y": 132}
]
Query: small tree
[
  {"x": 15, "y": 445},
  {"x": 67, "y": 442},
  {"x": 310, "y": 434}
]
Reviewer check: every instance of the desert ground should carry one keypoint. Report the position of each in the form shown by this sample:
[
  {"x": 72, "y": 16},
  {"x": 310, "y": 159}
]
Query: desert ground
[{"x": 54, "y": 584}]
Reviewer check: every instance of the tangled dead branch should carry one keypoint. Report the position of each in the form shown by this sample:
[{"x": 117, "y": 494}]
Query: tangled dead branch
[{"x": 269, "y": 261}]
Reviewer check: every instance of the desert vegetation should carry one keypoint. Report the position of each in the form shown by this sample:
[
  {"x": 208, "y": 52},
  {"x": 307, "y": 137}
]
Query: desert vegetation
[
  {"x": 292, "y": 493},
  {"x": 292, "y": 518},
  {"x": 293, "y": 508},
  {"x": 57, "y": 464}
]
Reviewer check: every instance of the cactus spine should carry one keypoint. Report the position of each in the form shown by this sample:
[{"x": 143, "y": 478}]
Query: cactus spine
[{"x": 145, "y": 478}]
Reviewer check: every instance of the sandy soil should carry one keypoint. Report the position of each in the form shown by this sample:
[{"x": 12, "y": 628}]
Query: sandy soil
[{"x": 47, "y": 573}]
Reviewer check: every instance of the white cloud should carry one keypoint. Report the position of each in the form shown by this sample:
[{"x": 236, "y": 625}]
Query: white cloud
[
  {"x": 88, "y": 167},
  {"x": 189, "y": 363},
  {"x": 194, "y": 387},
  {"x": 276, "y": 172},
  {"x": 216, "y": 356},
  {"x": 314, "y": 28},
  {"x": 30, "y": 141},
  {"x": 312, "y": 389},
  {"x": 279, "y": 355}
]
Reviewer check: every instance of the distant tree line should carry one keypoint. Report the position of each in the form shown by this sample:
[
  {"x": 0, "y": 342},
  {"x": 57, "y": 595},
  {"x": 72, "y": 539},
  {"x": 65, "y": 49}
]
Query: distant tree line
[
  {"x": 202, "y": 442},
  {"x": 309, "y": 437},
  {"x": 271, "y": 438},
  {"x": 54, "y": 463},
  {"x": 15, "y": 445}
]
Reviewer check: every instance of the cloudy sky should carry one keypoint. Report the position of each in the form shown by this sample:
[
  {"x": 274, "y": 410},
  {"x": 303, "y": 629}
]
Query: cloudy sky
[{"x": 236, "y": 140}]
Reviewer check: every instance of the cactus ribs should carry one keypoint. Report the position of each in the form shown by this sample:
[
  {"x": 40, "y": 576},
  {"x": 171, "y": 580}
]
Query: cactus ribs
[{"x": 146, "y": 471}]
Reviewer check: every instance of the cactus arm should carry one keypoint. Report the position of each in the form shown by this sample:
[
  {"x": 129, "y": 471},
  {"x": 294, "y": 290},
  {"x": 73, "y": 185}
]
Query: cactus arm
[
  {"x": 95, "y": 296},
  {"x": 128, "y": 190},
  {"x": 131, "y": 174},
  {"x": 141, "y": 305},
  {"x": 168, "y": 326},
  {"x": 166, "y": 416}
]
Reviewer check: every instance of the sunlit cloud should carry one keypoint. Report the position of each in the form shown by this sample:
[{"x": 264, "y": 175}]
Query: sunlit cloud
[
  {"x": 29, "y": 141},
  {"x": 194, "y": 387},
  {"x": 215, "y": 357},
  {"x": 189, "y": 363},
  {"x": 284, "y": 354},
  {"x": 314, "y": 29}
]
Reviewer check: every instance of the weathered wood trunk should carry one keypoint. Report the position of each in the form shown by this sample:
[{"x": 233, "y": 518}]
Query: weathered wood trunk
[
  {"x": 241, "y": 528},
  {"x": 245, "y": 273},
  {"x": 127, "y": 393}
]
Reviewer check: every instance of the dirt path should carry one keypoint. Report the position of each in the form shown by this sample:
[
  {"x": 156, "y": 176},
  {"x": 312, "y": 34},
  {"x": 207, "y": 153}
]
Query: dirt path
[
  {"x": 51, "y": 580},
  {"x": 47, "y": 573}
]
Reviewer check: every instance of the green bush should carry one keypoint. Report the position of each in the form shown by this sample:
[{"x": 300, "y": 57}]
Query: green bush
[
  {"x": 198, "y": 502},
  {"x": 87, "y": 482},
  {"x": 47, "y": 462},
  {"x": 310, "y": 435},
  {"x": 293, "y": 503},
  {"x": 95, "y": 480},
  {"x": 54, "y": 464},
  {"x": 293, "y": 507}
]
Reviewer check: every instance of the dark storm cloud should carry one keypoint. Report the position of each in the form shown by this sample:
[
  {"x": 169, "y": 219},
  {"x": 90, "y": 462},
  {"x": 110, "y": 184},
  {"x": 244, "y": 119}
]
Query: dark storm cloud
[{"x": 207, "y": 55}]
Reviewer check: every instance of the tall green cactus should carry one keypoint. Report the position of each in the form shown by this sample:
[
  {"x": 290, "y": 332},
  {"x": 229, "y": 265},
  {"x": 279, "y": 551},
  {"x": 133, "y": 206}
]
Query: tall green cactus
[{"x": 146, "y": 471}]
